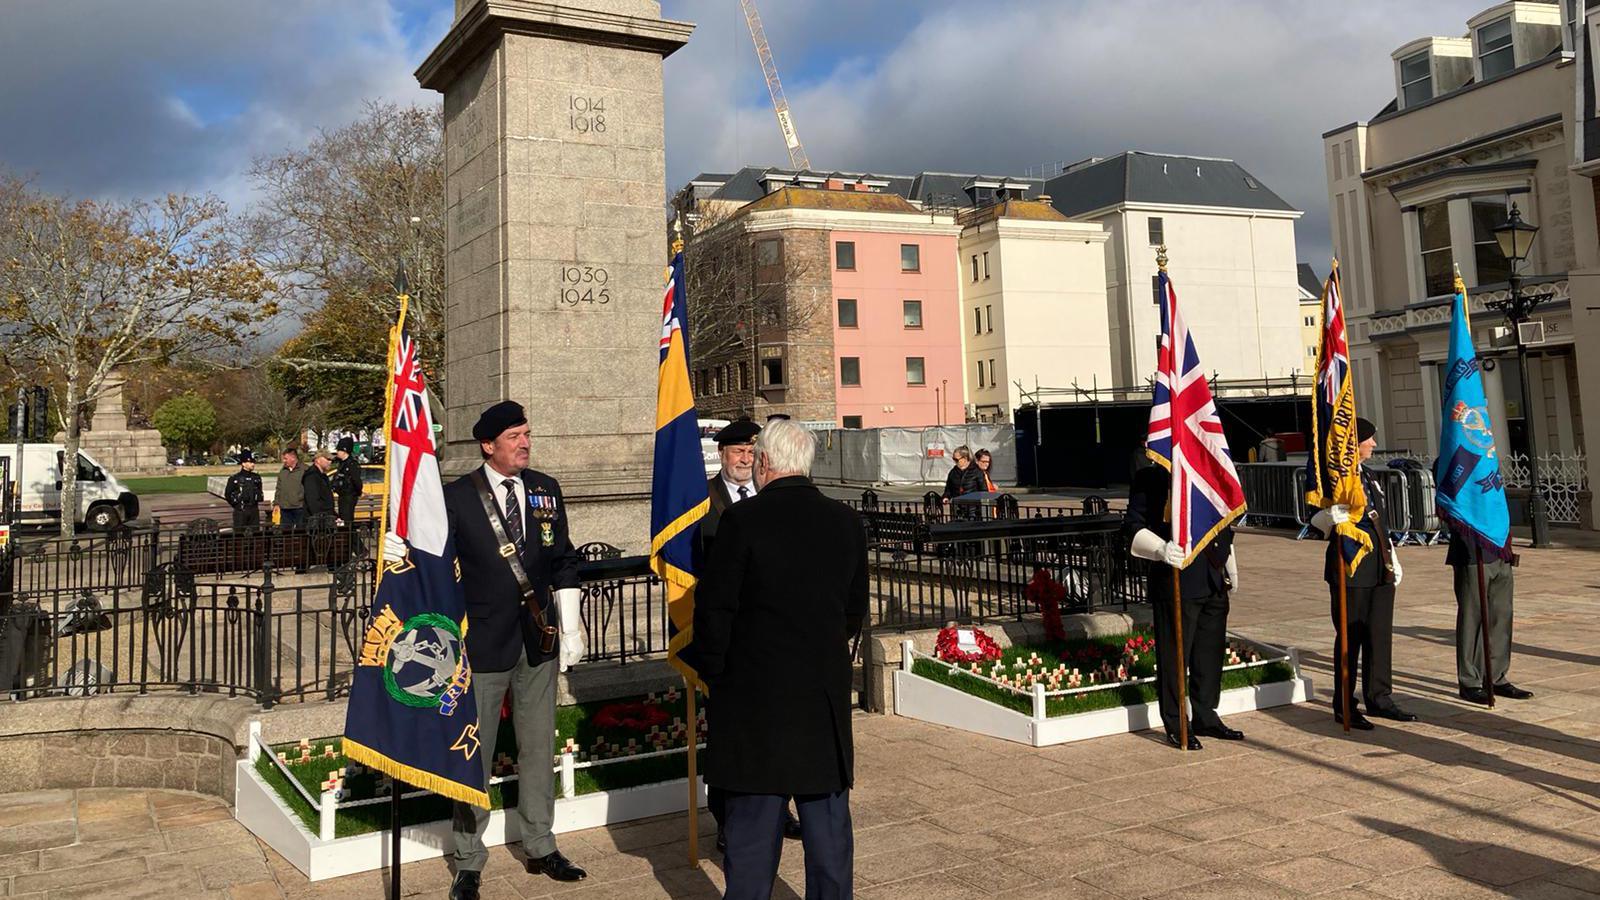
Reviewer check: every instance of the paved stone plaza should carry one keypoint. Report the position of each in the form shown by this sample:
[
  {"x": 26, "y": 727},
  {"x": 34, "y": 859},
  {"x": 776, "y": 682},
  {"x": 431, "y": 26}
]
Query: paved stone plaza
[{"x": 1466, "y": 803}]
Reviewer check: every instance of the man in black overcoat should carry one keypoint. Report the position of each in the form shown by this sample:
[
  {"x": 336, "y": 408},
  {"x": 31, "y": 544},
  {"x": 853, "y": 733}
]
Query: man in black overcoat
[
  {"x": 504, "y": 642},
  {"x": 244, "y": 493},
  {"x": 1205, "y": 584},
  {"x": 781, "y": 597},
  {"x": 1369, "y": 601},
  {"x": 347, "y": 479}
]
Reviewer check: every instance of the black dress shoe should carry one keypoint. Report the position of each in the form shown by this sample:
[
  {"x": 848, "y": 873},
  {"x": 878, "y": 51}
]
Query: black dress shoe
[
  {"x": 1475, "y": 695},
  {"x": 1358, "y": 722},
  {"x": 1194, "y": 742},
  {"x": 1218, "y": 731},
  {"x": 1391, "y": 712},
  {"x": 791, "y": 826},
  {"x": 556, "y": 866},
  {"x": 465, "y": 887},
  {"x": 1510, "y": 690}
]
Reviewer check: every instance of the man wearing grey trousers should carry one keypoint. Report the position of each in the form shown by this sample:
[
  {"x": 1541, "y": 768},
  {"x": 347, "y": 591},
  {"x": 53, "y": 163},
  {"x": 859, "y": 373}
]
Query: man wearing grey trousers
[
  {"x": 1499, "y": 567},
  {"x": 500, "y": 513}
]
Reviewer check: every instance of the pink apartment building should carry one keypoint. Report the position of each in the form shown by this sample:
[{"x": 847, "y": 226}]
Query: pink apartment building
[{"x": 897, "y": 320}]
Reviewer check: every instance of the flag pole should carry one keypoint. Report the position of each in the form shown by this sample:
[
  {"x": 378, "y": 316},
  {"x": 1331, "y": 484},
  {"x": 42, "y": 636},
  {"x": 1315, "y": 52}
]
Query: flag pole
[
  {"x": 1483, "y": 619},
  {"x": 694, "y": 777},
  {"x": 1345, "y": 683},
  {"x": 402, "y": 294},
  {"x": 1177, "y": 587}
]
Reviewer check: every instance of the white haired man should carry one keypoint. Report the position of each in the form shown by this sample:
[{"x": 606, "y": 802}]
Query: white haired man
[{"x": 788, "y": 574}]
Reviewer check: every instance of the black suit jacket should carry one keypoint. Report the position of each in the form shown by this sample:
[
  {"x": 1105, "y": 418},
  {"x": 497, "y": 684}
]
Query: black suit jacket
[
  {"x": 783, "y": 594},
  {"x": 499, "y": 626},
  {"x": 1374, "y": 569},
  {"x": 1147, "y": 508},
  {"x": 319, "y": 493}
]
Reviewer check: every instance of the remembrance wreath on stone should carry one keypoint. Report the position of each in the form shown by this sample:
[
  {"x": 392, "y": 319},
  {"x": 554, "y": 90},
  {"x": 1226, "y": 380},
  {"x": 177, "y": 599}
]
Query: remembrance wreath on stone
[{"x": 947, "y": 648}]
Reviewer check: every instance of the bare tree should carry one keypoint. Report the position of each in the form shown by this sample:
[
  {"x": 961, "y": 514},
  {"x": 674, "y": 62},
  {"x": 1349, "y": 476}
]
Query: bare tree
[
  {"x": 336, "y": 217},
  {"x": 86, "y": 288}
]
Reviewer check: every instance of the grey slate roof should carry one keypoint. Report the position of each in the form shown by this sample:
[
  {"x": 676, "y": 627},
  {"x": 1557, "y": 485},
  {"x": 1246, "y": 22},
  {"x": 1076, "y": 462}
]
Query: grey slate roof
[
  {"x": 1138, "y": 177},
  {"x": 1093, "y": 184},
  {"x": 1308, "y": 279}
]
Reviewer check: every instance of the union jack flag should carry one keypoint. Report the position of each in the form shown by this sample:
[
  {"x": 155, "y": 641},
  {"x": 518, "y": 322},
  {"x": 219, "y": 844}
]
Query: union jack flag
[{"x": 1186, "y": 437}]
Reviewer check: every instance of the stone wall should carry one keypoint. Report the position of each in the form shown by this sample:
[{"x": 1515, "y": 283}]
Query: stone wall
[{"x": 175, "y": 760}]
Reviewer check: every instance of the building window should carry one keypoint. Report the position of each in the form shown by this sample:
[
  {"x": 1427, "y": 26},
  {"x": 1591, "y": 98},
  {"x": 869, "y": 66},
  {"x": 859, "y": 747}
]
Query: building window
[
  {"x": 977, "y": 320},
  {"x": 1158, "y": 231},
  {"x": 911, "y": 313},
  {"x": 1416, "y": 79},
  {"x": 985, "y": 265},
  {"x": 850, "y": 371},
  {"x": 852, "y": 421},
  {"x": 1155, "y": 289},
  {"x": 744, "y": 376},
  {"x": 910, "y": 257},
  {"x": 1488, "y": 213},
  {"x": 844, "y": 255},
  {"x": 1494, "y": 48},
  {"x": 767, "y": 253},
  {"x": 847, "y": 313},
  {"x": 1438, "y": 264},
  {"x": 914, "y": 370},
  {"x": 1310, "y": 321},
  {"x": 994, "y": 380},
  {"x": 980, "y": 373},
  {"x": 772, "y": 373},
  {"x": 974, "y": 267},
  {"x": 988, "y": 313}
]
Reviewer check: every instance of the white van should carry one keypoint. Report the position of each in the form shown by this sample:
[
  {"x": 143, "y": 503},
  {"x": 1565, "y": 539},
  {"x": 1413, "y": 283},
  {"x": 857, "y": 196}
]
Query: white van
[{"x": 103, "y": 501}]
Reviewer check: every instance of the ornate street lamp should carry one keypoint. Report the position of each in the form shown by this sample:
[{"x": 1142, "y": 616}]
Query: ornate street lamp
[{"x": 1516, "y": 239}]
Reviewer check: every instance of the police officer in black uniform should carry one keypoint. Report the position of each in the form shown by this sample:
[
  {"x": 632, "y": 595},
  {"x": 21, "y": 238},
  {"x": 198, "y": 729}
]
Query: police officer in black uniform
[
  {"x": 244, "y": 493},
  {"x": 1205, "y": 585},
  {"x": 1369, "y": 601},
  {"x": 347, "y": 480}
]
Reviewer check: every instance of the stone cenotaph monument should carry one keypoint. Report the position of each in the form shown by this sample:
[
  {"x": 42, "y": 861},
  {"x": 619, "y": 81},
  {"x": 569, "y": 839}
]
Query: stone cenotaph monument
[
  {"x": 555, "y": 240},
  {"x": 117, "y": 445}
]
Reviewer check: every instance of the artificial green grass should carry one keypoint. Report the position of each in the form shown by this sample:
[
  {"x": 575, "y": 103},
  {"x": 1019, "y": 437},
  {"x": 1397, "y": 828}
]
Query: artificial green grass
[
  {"x": 573, "y": 721},
  {"x": 1085, "y": 656},
  {"x": 167, "y": 484}
]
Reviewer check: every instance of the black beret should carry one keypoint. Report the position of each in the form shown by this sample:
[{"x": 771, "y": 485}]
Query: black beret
[
  {"x": 1365, "y": 429},
  {"x": 741, "y": 432},
  {"x": 778, "y": 416},
  {"x": 246, "y": 456},
  {"x": 347, "y": 444},
  {"x": 497, "y": 418}
]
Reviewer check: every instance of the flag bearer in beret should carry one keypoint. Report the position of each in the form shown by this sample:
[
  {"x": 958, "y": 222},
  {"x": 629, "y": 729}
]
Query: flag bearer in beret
[
  {"x": 1369, "y": 601},
  {"x": 523, "y": 624},
  {"x": 243, "y": 493},
  {"x": 736, "y": 445},
  {"x": 347, "y": 479}
]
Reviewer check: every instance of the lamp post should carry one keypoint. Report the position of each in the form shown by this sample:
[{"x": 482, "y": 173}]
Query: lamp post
[{"x": 1515, "y": 238}]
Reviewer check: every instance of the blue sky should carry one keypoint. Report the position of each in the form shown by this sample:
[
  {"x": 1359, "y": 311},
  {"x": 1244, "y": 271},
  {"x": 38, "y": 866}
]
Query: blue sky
[{"x": 137, "y": 99}]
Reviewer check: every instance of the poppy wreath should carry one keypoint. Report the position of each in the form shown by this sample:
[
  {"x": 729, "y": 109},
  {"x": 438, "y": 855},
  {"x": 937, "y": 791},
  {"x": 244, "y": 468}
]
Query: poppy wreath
[
  {"x": 636, "y": 716},
  {"x": 946, "y": 647},
  {"x": 1047, "y": 593}
]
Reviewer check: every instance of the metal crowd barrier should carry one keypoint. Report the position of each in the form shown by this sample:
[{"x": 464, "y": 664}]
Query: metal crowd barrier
[{"x": 1275, "y": 493}]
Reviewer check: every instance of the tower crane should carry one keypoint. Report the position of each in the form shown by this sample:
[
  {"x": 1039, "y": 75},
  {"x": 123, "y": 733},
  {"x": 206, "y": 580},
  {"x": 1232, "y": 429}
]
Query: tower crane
[{"x": 780, "y": 105}]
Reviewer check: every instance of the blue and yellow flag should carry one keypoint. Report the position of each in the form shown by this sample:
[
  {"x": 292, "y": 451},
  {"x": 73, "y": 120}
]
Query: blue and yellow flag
[
  {"x": 1470, "y": 492},
  {"x": 678, "y": 497},
  {"x": 412, "y": 714},
  {"x": 1333, "y": 468}
]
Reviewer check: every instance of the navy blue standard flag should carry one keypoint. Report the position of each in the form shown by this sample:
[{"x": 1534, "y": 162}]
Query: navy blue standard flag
[{"x": 412, "y": 715}]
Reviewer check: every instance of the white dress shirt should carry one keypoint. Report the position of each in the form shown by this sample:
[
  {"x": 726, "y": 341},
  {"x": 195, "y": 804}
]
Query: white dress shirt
[
  {"x": 732, "y": 488},
  {"x": 497, "y": 481}
]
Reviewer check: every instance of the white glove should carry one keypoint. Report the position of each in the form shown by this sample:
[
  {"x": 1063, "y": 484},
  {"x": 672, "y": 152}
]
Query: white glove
[
  {"x": 572, "y": 649},
  {"x": 1149, "y": 545},
  {"x": 1233, "y": 567},
  {"x": 1324, "y": 520},
  {"x": 394, "y": 548},
  {"x": 1394, "y": 559}
]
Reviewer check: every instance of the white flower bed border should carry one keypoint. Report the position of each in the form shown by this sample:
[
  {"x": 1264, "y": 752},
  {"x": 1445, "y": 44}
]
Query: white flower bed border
[
  {"x": 916, "y": 697},
  {"x": 258, "y": 807}
]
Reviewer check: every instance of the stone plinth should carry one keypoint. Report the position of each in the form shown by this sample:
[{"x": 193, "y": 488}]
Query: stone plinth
[
  {"x": 555, "y": 184},
  {"x": 123, "y": 450}
]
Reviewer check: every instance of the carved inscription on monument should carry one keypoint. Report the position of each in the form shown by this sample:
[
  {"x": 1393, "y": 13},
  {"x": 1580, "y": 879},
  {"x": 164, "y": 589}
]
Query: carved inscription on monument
[
  {"x": 584, "y": 287},
  {"x": 472, "y": 215},
  {"x": 472, "y": 134},
  {"x": 586, "y": 114}
]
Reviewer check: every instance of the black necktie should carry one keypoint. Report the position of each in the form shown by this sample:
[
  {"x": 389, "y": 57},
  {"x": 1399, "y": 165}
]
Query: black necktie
[
  {"x": 513, "y": 514},
  {"x": 744, "y": 492}
]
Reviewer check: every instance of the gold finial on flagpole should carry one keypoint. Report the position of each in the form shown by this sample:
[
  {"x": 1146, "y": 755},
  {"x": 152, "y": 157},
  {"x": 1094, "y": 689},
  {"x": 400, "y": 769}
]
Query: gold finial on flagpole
[
  {"x": 677, "y": 233},
  {"x": 1161, "y": 257},
  {"x": 1460, "y": 287}
]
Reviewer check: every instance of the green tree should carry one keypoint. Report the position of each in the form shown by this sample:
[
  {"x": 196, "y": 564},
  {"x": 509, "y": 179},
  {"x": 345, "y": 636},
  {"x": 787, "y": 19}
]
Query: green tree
[{"x": 186, "y": 422}]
